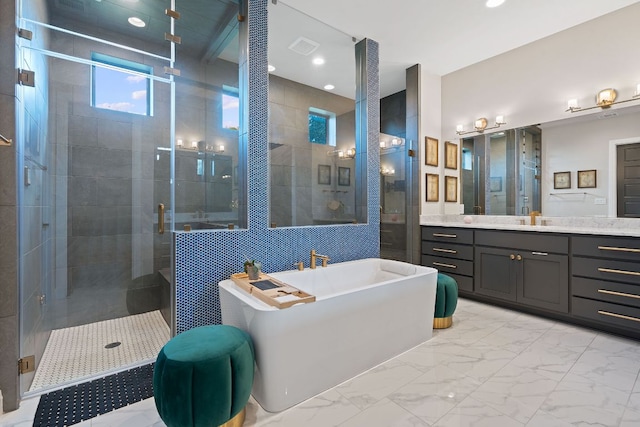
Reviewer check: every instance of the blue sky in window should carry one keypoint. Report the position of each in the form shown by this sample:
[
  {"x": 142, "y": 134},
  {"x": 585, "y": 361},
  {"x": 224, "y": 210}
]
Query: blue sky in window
[
  {"x": 230, "y": 111},
  {"x": 116, "y": 90}
]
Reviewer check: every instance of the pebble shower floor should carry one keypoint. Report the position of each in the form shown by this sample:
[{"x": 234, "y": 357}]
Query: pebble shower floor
[{"x": 79, "y": 352}]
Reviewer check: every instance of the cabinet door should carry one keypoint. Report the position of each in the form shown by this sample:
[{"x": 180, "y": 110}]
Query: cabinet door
[
  {"x": 495, "y": 273},
  {"x": 544, "y": 280}
]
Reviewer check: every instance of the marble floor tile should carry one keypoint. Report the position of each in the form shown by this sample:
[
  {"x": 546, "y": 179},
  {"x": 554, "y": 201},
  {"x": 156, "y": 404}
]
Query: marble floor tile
[
  {"x": 586, "y": 403},
  {"x": 435, "y": 393},
  {"x": 473, "y": 413},
  {"x": 515, "y": 392},
  {"x": 328, "y": 409},
  {"x": 494, "y": 367},
  {"x": 384, "y": 413},
  {"x": 374, "y": 385}
]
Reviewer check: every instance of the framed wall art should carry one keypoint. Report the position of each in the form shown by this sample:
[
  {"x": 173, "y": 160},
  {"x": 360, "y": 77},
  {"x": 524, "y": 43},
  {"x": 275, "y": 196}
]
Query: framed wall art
[
  {"x": 587, "y": 179},
  {"x": 324, "y": 174},
  {"x": 344, "y": 176},
  {"x": 450, "y": 155},
  {"x": 450, "y": 189},
  {"x": 561, "y": 180},
  {"x": 432, "y": 181},
  {"x": 430, "y": 151}
]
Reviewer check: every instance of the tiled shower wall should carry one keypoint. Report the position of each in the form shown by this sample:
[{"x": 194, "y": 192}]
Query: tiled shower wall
[{"x": 205, "y": 258}]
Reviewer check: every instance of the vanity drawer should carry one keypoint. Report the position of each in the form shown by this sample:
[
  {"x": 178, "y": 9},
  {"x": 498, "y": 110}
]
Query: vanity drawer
[
  {"x": 447, "y": 250},
  {"x": 616, "y": 293},
  {"x": 623, "y": 248},
  {"x": 606, "y": 313},
  {"x": 606, "y": 269},
  {"x": 448, "y": 234},
  {"x": 524, "y": 240},
  {"x": 448, "y": 265}
]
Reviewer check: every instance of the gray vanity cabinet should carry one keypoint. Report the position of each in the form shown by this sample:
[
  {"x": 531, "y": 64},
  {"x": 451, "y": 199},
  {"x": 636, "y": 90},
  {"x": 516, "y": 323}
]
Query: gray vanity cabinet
[
  {"x": 605, "y": 280},
  {"x": 527, "y": 268}
]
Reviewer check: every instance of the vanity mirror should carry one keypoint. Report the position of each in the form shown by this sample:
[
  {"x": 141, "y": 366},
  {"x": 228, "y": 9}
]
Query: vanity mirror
[{"x": 501, "y": 172}]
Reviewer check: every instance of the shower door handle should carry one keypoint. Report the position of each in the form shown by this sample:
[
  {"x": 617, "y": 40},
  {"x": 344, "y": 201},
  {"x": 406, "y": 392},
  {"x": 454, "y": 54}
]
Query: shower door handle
[{"x": 161, "y": 218}]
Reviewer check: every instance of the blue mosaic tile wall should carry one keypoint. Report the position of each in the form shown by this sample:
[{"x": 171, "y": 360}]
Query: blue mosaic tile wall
[{"x": 204, "y": 258}]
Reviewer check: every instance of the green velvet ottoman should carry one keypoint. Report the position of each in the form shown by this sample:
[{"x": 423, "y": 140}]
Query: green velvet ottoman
[
  {"x": 203, "y": 377},
  {"x": 446, "y": 301}
]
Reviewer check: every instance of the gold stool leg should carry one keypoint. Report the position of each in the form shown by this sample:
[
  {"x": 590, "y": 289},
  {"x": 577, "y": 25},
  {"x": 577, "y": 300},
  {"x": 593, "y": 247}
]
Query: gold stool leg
[
  {"x": 236, "y": 421},
  {"x": 442, "y": 322}
]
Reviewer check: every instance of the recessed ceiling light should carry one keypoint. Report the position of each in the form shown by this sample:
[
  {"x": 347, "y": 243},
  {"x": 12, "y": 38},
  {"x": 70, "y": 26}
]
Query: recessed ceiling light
[
  {"x": 137, "y": 22},
  {"x": 318, "y": 61},
  {"x": 494, "y": 3},
  {"x": 329, "y": 87},
  {"x": 271, "y": 68}
]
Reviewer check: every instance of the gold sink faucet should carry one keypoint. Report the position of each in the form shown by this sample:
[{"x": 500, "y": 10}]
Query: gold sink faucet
[
  {"x": 533, "y": 216},
  {"x": 314, "y": 256}
]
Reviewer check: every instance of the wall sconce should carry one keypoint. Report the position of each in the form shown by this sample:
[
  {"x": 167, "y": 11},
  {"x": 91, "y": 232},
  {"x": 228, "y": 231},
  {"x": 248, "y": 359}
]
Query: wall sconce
[
  {"x": 179, "y": 143},
  {"x": 194, "y": 145},
  {"x": 604, "y": 99},
  {"x": 480, "y": 125},
  {"x": 395, "y": 143},
  {"x": 341, "y": 154}
]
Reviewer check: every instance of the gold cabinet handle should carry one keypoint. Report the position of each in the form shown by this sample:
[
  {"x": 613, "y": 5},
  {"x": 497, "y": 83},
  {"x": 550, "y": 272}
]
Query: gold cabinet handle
[
  {"x": 512, "y": 256},
  {"x": 613, "y": 248},
  {"x": 440, "y": 264},
  {"x": 620, "y": 294},
  {"x": 161, "y": 218},
  {"x": 449, "y": 251},
  {"x": 614, "y": 271},
  {"x": 452, "y": 236},
  {"x": 619, "y": 316},
  {"x": 519, "y": 257}
]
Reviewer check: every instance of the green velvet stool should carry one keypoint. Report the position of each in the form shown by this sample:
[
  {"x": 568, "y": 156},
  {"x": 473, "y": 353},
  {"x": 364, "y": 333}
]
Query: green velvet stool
[
  {"x": 446, "y": 301},
  {"x": 203, "y": 377}
]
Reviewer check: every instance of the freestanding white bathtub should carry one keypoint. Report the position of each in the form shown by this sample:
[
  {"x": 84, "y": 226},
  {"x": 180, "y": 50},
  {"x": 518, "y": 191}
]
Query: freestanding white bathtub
[{"x": 366, "y": 312}]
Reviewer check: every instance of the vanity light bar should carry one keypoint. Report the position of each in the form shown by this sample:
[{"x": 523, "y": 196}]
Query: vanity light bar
[
  {"x": 604, "y": 99},
  {"x": 480, "y": 125}
]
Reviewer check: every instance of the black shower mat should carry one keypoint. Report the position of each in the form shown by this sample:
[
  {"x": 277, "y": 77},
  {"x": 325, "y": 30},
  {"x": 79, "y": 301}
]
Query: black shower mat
[{"x": 81, "y": 402}]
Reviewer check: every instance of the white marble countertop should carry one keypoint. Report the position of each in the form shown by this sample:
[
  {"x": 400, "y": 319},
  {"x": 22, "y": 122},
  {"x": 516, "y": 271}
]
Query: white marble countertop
[{"x": 576, "y": 225}]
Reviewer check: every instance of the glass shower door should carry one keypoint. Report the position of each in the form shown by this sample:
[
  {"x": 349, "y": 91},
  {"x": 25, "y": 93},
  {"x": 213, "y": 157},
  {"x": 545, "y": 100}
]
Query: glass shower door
[{"x": 95, "y": 142}]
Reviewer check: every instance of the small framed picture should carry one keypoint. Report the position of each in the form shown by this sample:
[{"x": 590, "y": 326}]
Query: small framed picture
[
  {"x": 344, "y": 176},
  {"x": 587, "y": 179},
  {"x": 432, "y": 181},
  {"x": 495, "y": 184},
  {"x": 451, "y": 189},
  {"x": 430, "y": 151},
  {"x": 324, "y": 174},
  {"x": 450, "y": 155},
  {"x": 561, "y": 180}
]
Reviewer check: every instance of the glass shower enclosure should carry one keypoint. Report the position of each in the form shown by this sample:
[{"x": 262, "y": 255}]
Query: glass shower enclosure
[{"x": 129, "y": 131}]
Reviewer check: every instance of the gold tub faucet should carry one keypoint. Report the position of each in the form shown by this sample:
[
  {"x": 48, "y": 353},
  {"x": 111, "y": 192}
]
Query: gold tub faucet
[{"x": 314, "y": 256}]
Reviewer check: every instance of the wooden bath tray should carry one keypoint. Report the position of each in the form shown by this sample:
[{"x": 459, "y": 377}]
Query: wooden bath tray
[{"x": 272, "y": 291}]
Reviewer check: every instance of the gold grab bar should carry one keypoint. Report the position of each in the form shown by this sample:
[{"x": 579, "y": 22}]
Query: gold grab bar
[
  {"x": 440, "y": 264},
  {"x": 620, "y": 294},
  {"x": 161, "y": 218},
  {"x": 453, "y": 236},
  {"x": 612, "y": 270},
  {"x": 6, "y": 141},
  {"x": 619, "y": 316},
  {"x": 613, "y": 248},
  {"x": 449, "y": 251}
]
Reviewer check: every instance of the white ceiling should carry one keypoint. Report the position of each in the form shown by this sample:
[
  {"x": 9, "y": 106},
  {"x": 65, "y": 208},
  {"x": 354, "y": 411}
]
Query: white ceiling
[{"x": 446, "y": 35}]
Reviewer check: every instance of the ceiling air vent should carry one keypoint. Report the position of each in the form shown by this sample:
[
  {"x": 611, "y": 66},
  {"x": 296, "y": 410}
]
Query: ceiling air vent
[{"x": 303, "y": 46}]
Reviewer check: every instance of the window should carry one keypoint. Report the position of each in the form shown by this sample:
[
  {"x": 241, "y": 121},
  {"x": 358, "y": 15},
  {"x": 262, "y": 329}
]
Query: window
[
  {"x": 119, "y": 89},
  {"x": 322, "y": 127},
  {"x": 230, "y": 108},
  {"x": 317, "y": 128}
]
